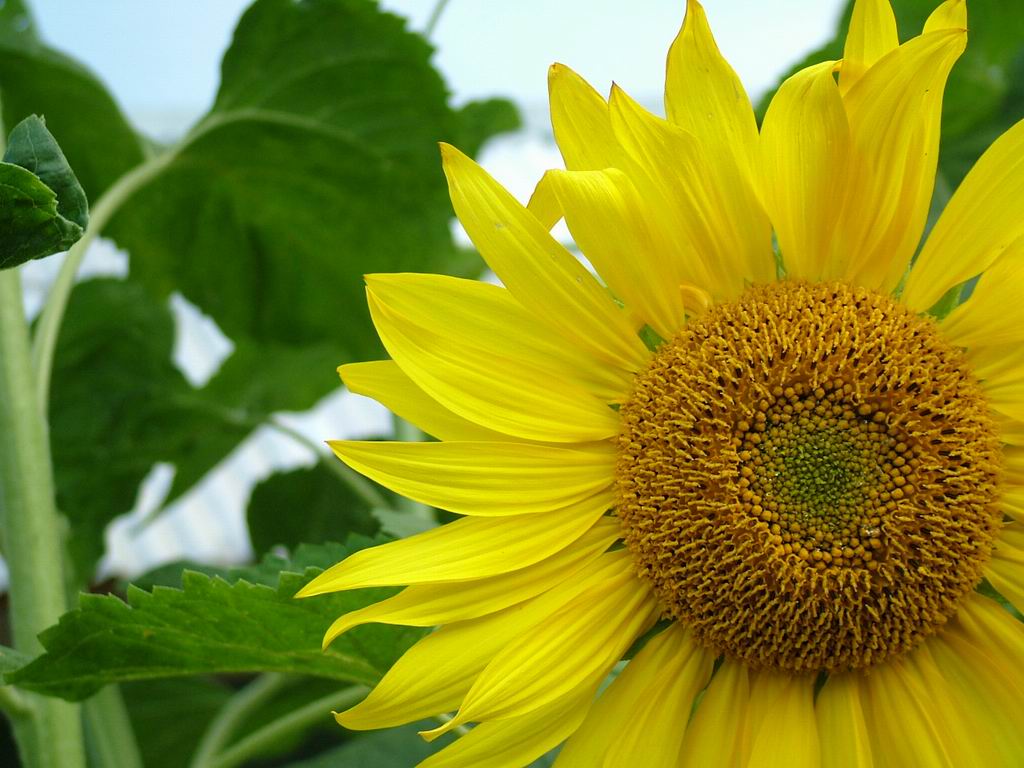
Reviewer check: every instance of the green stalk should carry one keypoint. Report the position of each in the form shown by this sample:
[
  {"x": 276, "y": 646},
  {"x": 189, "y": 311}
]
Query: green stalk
[
  {"x": 234, "y": 713},
  {"x": 362, "y": 487},
  {"x": 52, "y": 736},
  {"x": 45, "y": 341},
  {"x": 108, "y": 730},
  {"x": 296, "y": 721}
]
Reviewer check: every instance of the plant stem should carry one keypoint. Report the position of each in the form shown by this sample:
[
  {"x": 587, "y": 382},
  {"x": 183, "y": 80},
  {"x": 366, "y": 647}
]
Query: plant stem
[
  {"x": 31, "y": 531},
  {"x": 231, "y": 715},
  {"x": 435, "y": 17},
  {"x": 298, "y": 720},
  {"x": 362, "y": 487},
  {"x": 101, "y": 212},
  {"x": 108, "y": 730},
  {"x": 13, "y": 702}
]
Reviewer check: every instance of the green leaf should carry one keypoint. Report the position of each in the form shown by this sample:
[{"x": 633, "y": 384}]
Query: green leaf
[
  {"x": 317, "y": 163},
  {"x": 42, "y": 207},
  {"x": 33, "y": 147},
  {"x": 35, "y": 79},
  {"x": 306, "y": 505},
  {"x": 116, "y": 407},
  {"x": 211, "y": 626},
  {"x": 482, "y": 120}
]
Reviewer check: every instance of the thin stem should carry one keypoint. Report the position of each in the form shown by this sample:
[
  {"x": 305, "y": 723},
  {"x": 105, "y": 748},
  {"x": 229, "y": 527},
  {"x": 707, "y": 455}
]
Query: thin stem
[
  {"x": 13, "y": 702},
  {"x": 232, "y": 714},
  {"x": 362, "y": 487},
  {"x": 295, "y": 721},
  {"x": 45, "y": 341},
  {"x": 31, "y": 531},
  {"x": 108, "y": 730},
  {"x": 435, "y": 17},
  {"x": 461, "y": 730}
]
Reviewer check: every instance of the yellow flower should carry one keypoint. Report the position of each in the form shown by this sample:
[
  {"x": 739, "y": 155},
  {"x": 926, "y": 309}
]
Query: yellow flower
[{"x": 782, "y": 476}]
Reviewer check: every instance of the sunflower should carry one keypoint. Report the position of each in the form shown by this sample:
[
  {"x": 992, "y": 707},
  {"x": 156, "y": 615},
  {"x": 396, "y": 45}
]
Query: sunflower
[{"x": 772, "y": 488}]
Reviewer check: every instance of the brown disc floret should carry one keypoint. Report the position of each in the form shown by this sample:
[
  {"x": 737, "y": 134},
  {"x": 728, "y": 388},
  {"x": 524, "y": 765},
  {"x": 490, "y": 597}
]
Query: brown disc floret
[{"x": 808, "y": 477}]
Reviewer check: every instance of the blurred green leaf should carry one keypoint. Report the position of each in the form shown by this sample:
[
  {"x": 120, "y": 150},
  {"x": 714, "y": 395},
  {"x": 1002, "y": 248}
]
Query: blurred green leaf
[
  {"x": 480, "y": 120},
  {"x": 35, "y": 79},
  {"x": 42, "y": 206},
  {"x": 306, "y": 505},
  {"x": 115, "y": 407},
  {"x": 393, "y": 748},
  {"x": 212, "y": 626},
  {"x": 256, "y": 381},
  {"x": 317, "y": 164}
]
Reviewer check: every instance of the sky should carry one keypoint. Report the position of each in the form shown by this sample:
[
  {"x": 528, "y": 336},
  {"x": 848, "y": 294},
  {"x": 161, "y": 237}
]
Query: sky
[{"x": 161, "y": 58}]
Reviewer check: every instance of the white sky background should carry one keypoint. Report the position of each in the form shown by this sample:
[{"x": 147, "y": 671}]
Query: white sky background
[{"x": 161, "y": 57}]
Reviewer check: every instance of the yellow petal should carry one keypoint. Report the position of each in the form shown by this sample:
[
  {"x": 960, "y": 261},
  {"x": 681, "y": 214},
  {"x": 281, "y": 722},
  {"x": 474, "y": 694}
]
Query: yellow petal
[
  {"x": 611, "y": 223},
  {"x": 516, "y": 741},
  {"x": 1011, "y": 500},
  {"x": 1000, "y": 369},
  {"x": 872, "y": 35},
  {"x": 1013, "y": 467},
  {"x": 982, "y": 219},
  {"x": 586, "y": 637},
  {"x": 579, "y": 119},
  {"x": 431, "y": 604},
  {"x": 805, "y": 142},
  {"x": 841, "y": 725},
  {"x": 905, "y": 725},
  {"x": 435, "y": 674},
  {"x": 719, "y": 732},
  {"x": 1006, "y": 568},
  {"x": 636, "y": 721},
  {"x": 489, "y": 479},
  {"x": 987, "y": 692},
  {"x": 959, "y": 730},
  {"x": 718, "y": 215},
  {"x": 545, "y": 278},
  {"x": 384, "y": 381},
  {"x": 894, "y": 112},
  {"x": 486, "y": 319},
  {"x": 704, "y": 96},
  {"x": 986, "y": 624},
  {"x": 473, "y": 548},
  {"x": 491, "y": 388},
  {"x": 544, "y": 205},
  {"x": 1010, "y": 431},
  {"x": 994, "y": 314},
  {"x": 952, "y": 14},
  {"x": 786, "y": 733}
]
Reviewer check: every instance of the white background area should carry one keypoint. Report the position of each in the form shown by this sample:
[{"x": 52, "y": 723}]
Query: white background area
[{"x": 161, "y": 61}]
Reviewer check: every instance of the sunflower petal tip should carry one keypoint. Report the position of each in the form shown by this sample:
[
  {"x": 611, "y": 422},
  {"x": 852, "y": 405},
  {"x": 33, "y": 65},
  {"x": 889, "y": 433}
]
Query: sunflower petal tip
[
  {"x": 442, "y": 729},
  {"x": 307, "y": 591},
  {"x": 449, "y": 153}
]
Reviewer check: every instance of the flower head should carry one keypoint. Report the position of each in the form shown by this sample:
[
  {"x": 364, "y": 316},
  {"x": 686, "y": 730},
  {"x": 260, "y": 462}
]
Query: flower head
[{"x": 772, "y": 470}]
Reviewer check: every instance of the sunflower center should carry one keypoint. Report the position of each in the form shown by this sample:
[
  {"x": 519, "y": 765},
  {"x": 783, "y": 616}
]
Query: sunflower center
[{"x": 807, "y": 476}]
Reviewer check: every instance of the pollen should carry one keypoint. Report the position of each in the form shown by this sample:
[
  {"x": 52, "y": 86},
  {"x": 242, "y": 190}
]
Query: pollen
[{"x": 808, "y": 477}]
